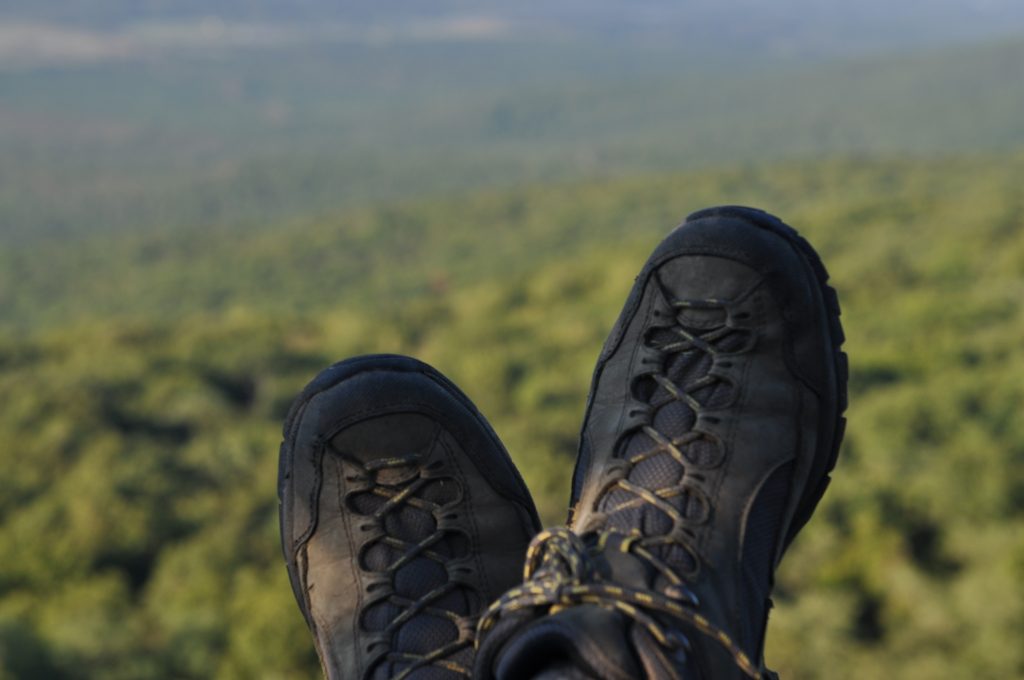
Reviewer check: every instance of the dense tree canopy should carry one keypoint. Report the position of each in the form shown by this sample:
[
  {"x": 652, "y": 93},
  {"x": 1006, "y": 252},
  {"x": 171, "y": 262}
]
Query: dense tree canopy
[{"x": 144, "y": 378}]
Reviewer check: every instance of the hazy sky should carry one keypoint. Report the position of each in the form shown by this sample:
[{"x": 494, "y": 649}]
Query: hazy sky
[{"x": 50, "y": 31}]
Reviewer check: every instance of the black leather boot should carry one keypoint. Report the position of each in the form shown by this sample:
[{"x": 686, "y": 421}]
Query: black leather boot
[
  {"x": 712, "y": 425},
  {"x": 402, "y": 517}
]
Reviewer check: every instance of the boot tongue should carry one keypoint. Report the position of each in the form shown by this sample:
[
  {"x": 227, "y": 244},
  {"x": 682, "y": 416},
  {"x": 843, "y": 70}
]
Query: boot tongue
[{"x": 594, "y": 641}]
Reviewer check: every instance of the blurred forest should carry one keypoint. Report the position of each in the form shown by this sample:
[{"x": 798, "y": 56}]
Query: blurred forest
[
  {"x": 190, "y": 231},
  {"x": 140, "y": 435}
]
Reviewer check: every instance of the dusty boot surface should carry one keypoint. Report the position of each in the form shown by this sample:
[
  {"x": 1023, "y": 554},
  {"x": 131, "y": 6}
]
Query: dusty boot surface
[
  {"x": 402, "y": 517},
  {"x": 713, "y": 422}
]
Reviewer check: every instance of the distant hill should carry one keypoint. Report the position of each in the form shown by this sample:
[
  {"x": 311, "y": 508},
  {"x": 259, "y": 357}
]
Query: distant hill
[{"x": 260, "y": 136}]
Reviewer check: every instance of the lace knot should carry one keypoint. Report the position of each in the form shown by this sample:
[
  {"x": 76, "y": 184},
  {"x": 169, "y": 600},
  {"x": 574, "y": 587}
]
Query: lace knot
[{"x": 561, "y": 572}]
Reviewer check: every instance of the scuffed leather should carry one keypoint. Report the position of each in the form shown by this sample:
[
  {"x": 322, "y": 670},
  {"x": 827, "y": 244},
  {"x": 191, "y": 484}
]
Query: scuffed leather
[
  {"x": 382, "y": 407},
  {"x": 784, "y": 408}
]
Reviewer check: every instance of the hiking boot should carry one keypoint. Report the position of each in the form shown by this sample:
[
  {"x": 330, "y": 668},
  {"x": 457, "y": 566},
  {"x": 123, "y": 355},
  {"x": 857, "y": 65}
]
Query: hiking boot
[
  {"x": 402, "y": 517},
  {"x": 713, "y": 421}
]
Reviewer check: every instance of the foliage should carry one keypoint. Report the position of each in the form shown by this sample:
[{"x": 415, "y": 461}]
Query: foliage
[{"x": 145, "y": 377}]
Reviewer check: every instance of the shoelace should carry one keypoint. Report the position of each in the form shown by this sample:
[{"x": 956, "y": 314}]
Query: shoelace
[
  {"x": 668, "y": 341},
  {"x": 395, "y": 497},
  {"x": 560, "y": 573}
]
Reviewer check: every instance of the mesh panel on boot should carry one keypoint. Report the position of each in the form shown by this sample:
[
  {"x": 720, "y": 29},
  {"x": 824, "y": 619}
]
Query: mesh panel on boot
[
  {"x": 425, "y": 633},
  {"x": 419, "y": 576},
  {"x": 411, "y": 536},
  {"x": 409, "y": 524},
  {"x": 674, "y": 418}
]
